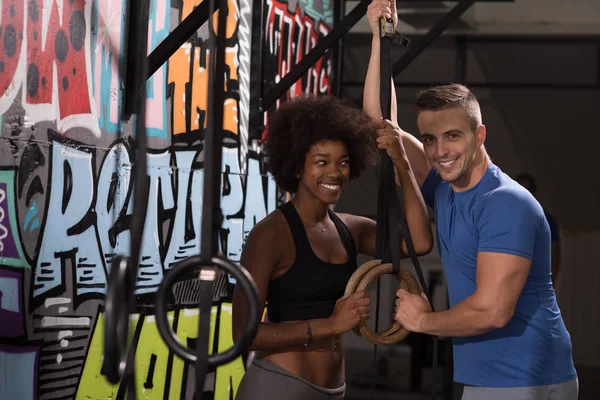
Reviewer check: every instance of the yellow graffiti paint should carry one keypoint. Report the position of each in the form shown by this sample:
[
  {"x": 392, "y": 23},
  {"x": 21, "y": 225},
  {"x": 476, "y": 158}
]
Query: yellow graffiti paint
[
  {"x": 234, "y": 370},
  {"x": 151, "y": 385},
  {"x": 187, "y": 328},
  {"x": 93, "y": 385}
]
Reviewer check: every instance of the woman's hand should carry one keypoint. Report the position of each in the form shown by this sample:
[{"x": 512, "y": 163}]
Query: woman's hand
[
  {"x": 350, "y": 310},
  {"x": 389, "y": 138},
  {"x": 381, "y": 8}
]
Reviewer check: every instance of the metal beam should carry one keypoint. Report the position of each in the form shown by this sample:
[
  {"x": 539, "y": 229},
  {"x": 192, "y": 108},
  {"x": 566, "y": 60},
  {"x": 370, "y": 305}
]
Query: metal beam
[
  {"x": 423, "y": 42},
  {"x": 493, "y": 85},
  {"x": 312, "y": 56},
  {"x": 338, "y": 51},
  {"x": 177, "y": 37},
  {"x": 257, "y": 57}
]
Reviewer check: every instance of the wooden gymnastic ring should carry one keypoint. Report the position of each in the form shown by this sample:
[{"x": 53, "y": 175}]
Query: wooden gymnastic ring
[
  {"x": 352, "y": 284},
  {"x": 362, "y": 278}
]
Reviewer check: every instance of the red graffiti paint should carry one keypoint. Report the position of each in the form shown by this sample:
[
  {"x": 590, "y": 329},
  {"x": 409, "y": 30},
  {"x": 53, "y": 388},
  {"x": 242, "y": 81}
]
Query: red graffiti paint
[
  {"x": 62, "y": 43},
  {"x": 290, "y": 36},
  {"x": 11, "y": 43}
]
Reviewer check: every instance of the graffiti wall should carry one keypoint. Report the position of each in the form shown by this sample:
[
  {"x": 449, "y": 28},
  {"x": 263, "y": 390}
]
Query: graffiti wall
[{"x": 66, "y": 185}]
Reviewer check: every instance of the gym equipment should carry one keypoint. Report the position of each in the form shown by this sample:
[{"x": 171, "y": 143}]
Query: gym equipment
[{"x": 118, "y": 360}]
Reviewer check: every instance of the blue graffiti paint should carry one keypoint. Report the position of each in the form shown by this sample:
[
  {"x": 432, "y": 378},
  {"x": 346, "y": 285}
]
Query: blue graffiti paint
[
  {"x": 257, "y": 204},
  {"x": 18, "y": 372},
  {"x": 185, "y": 243},
  {"x": 11, "y": 304},
  {"x": 151, "y": 272},
  {"x": 32, "y": 213},
  {"x": 9, "y": 294},
  {"x": 106, "y": 73},
  {"x": 11, "y": 252},
  {"x": 232, "y": 203},
  {"x": 57, "y": 242},
  {"x": 116, "y": 169},
  {"x": 157, "y": 36}
]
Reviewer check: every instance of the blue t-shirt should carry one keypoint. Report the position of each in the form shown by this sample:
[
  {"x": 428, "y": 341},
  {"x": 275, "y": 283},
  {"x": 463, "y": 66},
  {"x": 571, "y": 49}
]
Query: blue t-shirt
[{"x": 499, "y": 215}]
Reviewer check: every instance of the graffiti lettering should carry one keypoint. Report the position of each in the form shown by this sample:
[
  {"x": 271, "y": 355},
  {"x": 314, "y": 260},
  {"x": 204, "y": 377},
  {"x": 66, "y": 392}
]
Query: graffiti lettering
[
  {"x": 85, "y": 221},
  {"x": 189, "y": 84},
  {"x": 69, "y": 232},
  {"x": 161, "y": 375},
  {"x": 289, "y": 37}
]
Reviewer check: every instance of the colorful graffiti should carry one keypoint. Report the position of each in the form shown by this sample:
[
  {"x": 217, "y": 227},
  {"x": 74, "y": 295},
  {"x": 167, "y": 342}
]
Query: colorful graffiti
[
  {"x": 66, "y": 186},
  {"x": 291, "y": 31}
]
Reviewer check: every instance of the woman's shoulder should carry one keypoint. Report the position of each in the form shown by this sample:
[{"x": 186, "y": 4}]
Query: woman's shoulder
[
  {"x": 354, "y": 222},
  {"x": 271, "y": 227}
]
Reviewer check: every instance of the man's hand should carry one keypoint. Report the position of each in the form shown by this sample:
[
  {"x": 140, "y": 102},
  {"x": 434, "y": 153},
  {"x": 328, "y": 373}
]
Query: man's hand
[
  {"x": 411, "y": 310},
  {"x": 381, "y": 8}
]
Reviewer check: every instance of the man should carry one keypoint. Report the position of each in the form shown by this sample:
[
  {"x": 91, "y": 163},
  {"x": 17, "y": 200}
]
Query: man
[
  {"x": 528, "y": 182},
  {"x": 508, "y": 335}
]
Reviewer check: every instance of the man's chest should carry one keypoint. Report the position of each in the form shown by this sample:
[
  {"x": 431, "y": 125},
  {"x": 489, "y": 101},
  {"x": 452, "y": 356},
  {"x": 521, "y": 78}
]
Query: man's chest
[{"x": 458, "y": 235}]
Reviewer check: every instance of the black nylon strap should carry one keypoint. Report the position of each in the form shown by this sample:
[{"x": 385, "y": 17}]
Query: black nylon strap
[
  {"x": 388, "y": 236},
  {"x": 390, "y": 207}
]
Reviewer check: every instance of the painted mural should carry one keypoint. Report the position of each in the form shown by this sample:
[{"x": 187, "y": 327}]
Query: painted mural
[{"x": 66, "y": 185}]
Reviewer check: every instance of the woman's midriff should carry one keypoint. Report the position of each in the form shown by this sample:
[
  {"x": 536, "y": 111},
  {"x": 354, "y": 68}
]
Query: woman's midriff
[{"x": 321, "y": 364}]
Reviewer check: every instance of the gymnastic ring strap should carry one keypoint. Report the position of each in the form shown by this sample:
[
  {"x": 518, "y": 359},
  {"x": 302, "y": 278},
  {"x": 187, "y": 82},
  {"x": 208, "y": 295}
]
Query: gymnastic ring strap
[
  {"x": 116, "y": 320},
  {"x": 244, "y": 279},
  {"x": 391, "y": 208}
]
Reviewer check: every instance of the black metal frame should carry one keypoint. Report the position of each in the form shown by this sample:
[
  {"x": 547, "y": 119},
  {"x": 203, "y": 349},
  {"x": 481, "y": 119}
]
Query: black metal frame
[
  {"x": 274, "y": 93},
  {"x": 462, "y": 46},
  {"x": 339, "y": 9},
  {"x": 119, "y": 355},
  {"x": 184, "y": 30},
  {"x": 134, "y": 103}
]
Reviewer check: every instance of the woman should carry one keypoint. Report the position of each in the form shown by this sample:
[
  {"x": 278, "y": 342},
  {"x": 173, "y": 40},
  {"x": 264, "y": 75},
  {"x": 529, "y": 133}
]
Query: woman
[{"x": 302, "y": 254}]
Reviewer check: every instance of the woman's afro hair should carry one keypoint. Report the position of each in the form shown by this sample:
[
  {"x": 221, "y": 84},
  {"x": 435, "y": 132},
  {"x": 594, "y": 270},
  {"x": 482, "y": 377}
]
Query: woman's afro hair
[{"x": 301, "y": 122}]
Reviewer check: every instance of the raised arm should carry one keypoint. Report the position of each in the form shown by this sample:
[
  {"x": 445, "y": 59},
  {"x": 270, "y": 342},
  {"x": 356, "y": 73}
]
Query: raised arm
[
  {"x": 371, "y": 104},
  {"x": 261, "y": 258}
]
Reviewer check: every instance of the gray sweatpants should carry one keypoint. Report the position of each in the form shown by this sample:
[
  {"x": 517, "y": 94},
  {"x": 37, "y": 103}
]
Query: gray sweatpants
[
  {"x": 267, "y": 381},
  {"x": 561, "y": 391}
]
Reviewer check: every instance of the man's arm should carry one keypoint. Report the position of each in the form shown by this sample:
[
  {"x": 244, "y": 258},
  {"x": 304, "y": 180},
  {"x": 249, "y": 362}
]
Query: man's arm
[
  {"x": 371, "y": 104},
  {"x": 507, "y": 231},
  {"x": 500, "y": 280}
]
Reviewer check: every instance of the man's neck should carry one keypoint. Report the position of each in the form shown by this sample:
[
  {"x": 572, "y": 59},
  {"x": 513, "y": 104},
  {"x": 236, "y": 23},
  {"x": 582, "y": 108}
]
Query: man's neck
[{"x": 474, "y": 174}]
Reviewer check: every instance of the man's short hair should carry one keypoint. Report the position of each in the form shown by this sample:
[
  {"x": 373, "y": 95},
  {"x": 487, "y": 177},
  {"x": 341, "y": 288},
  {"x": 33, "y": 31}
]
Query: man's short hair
[{"x": 442, "y": 97}]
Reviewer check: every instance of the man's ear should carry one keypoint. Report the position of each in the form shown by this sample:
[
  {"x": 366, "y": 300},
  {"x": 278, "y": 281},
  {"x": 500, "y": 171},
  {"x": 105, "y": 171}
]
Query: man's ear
[{"x": 480, "y": 135}]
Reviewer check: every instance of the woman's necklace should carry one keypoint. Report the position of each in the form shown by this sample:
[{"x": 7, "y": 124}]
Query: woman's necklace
[{"x": 306, "y": 219}]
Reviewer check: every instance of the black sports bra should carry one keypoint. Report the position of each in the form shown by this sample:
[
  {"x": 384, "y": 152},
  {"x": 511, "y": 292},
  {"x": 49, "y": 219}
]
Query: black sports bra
[{"x": 311, "y": 287}]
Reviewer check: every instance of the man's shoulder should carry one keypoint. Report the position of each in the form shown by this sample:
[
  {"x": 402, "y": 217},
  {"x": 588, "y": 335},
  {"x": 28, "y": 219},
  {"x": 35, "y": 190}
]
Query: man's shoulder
[{"x": 509, "y": 199}]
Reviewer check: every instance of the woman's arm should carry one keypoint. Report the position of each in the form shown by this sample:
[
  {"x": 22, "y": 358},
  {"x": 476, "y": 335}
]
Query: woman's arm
[
  {"x": 260, "y": 256},
  {"x": 389, "y": 139}
]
